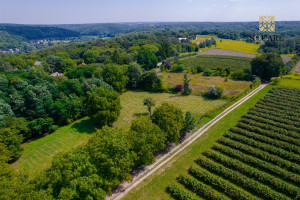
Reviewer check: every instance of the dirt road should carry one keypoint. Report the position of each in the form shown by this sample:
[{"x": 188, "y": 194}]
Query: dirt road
[{"x": 125, "y": 187}]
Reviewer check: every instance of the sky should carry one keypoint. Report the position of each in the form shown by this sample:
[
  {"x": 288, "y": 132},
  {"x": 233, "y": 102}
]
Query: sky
[{"x": 100, "y": 11}]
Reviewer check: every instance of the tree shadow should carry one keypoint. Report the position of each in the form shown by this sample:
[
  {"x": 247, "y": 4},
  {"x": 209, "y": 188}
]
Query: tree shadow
[
  {"x": 140, "y": 114},
  {"x": 85, "y": 126}
]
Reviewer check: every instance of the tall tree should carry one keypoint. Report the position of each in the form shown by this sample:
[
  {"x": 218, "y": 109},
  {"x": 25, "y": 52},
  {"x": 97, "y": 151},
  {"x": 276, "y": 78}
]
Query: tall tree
[
  {"x": 115, "y": 75},
  {"x": 146, "y": 138},
  {"x": 186, "y": 86},
  {"x": 169, "y": 119},
  {"x": 149, "y": 102},
  {"x": 268, "y": 65},
  {"x": 134, "y": 74},
  {"x": 147, "y": 59},
  {"x": 103, "y": 106}
]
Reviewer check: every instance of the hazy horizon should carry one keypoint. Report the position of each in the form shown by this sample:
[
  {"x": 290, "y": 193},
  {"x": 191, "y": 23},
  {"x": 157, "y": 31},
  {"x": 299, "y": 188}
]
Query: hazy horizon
[{"x": 56, "y": 12}]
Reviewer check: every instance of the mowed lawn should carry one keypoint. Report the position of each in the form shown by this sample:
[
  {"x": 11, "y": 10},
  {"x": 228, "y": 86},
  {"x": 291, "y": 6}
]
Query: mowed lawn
[
  {"x": 202, "y": 83},
  {"x": 154, "y": 187},
  {"x": 214, "y": 61},
  {"x": 38, "y": 154},
  {"x": 132, "y": 105}
]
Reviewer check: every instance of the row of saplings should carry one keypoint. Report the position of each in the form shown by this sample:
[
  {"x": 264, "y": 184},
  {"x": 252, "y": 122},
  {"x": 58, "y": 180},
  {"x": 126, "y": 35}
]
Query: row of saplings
[{"x": 91, "y": 171}]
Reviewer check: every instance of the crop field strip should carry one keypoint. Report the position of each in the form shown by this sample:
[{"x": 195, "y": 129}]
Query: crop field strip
[{"x": 257, "y": 159}]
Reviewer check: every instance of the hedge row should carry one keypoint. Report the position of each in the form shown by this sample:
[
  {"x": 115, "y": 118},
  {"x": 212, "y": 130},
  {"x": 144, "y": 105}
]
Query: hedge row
[
  {"x": 267, "y": 140},
  {"x": 271, "y": 122},
  {"x": 254, "y": 173},
  {"x": 268, "y": 133},
  {"x": 265, "y": 147},
  {"x": 224, "y": 186},
  {"x": 179, "y": 193},
  {"x": 200, "y": 188},
  {"x": 276, "y": 112},
  {"x": 240, "y": 179},
  {"x": 261, "y": 154},
  {"x": 271, "y": 128},
  {"x": 275, "y": 118},
  {"x": 266, "y": 166}
]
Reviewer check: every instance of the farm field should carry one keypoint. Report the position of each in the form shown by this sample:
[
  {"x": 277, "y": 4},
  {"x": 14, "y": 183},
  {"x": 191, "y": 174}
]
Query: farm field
[
  {"x": 202, "y": 83},
  {"x": 38, "y": 154},
  {"x": 132, "y": 105},
  {"x": 154, "y": 187},
  {"x": 295, "y": 82},
  {"x": 234, "y": 45},
  {"x": 213, "y": 61},
  {"x": 257, "y": 159}
]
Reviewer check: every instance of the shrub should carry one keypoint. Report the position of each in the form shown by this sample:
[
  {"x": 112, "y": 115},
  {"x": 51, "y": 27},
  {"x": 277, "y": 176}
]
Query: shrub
[
  {"x": 178, "y": 88},
  {"x": 208, "y": 72},
  {"x": 178, "y": 68},
  {"x": 214, "y": 92}
]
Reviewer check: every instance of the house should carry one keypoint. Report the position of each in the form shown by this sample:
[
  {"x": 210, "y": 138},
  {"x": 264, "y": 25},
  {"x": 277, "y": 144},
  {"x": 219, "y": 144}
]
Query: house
[
  {"x": 181, "y": 39},
  {"x": 159, "y": 74},
  {"x": 56, "y": 74},
  {"x": 37, "y": 63}
]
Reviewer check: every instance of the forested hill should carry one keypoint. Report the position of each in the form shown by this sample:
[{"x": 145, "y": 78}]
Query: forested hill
[{"x": 38, "y": 32}]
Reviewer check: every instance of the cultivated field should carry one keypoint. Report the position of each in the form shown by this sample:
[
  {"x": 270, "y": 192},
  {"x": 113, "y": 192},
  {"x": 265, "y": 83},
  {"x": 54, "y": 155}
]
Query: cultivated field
[
  {"x": 233, "y": 45},
  {"x": 213, "y": 61},
  {"x": 38, "y": 154},
  {"x": 132, "y": 105},
  {"x": 202, "y": 83},
  {"x": 154, "y": 187},
  {"x": 257, "y": 159},
  {"x": 224, "y": 52}
]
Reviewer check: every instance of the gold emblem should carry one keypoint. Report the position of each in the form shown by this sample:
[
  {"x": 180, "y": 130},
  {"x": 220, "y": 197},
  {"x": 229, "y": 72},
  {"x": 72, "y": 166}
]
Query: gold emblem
[{"x": 267, "y": 23}]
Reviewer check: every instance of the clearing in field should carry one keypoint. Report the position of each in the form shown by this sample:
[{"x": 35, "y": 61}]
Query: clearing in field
[
  {"x": 212, "y": 62},
  {"x": 202, "y": 83},
  {"x": 257, "y": 159},
  {"x": 37, "y": 155},
  {"x": 132, "y": 105},
  {"x": 154, "y": 187}
]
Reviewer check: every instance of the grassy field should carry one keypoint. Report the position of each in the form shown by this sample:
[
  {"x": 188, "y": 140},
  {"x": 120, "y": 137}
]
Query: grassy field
[
  {"x": 234, "y": 45},
  {"x": 38, "y": 154},
  {"x": 132, "y": 103},
  {"x": 212, "y": 62},
  {"x": 202, "y": 83},
  {"x": 290, "y": 82},
  {"x": 154, "y": 187}
]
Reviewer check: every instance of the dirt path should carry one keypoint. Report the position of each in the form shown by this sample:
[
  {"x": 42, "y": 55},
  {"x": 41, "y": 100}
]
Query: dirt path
[
  {"x": 297, "y": 68},
  {"x": 125, "y": 187}
]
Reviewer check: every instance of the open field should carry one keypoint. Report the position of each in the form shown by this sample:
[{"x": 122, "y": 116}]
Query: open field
[
  {"x": 154, "y": 187},
  {"x": 257, "y": 159},
  {"x": 213, "y": 61},
  {"x": 202, "y": 83},
  {"x": 233, "y": 45},
  {"x": 38, "y": 154},
  {"x": 132, "y": 105}
]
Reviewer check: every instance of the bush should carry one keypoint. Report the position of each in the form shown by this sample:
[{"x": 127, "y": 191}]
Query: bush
[
  {"x": 214, "y": 92},
  {"x": 178, "y": 88},
  {"x": 208, "y": 72},
  {"x": 178, "y": 68}
]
